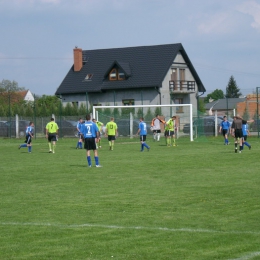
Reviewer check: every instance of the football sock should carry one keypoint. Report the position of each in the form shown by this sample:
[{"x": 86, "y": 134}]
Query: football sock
[
  {"x": 247, "y": 144},
  {"x": 50, "y": 146},
  {"x": 23, "y": 145},
  {"x": 158, "y": 137},
  {"x": 89, "y": 160},
  {"x": 29, "y": 149},
  {"x": 96, "y": 160},
  {"x": 53, "y": 147},
  {"x": 109, "y": 143},
  {"x": 240, "y": 148},
  {"x": 145, "y": 145}
]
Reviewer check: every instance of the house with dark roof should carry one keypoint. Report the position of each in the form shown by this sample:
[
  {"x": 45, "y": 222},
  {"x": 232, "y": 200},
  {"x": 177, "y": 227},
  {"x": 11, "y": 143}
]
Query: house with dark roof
[
  {"x": 246, "y": 107},
  {"x": 144, "y": 75},
  {"x": 225, "y": 106}
]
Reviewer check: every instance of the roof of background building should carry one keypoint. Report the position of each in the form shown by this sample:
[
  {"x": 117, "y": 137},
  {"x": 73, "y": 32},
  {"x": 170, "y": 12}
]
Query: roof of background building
[{"x": 224, "y": 103}]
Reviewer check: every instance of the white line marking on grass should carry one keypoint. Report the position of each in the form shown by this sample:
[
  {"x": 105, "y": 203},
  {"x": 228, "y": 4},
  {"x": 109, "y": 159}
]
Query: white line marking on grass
[
  {"x": 121, "y": 227},
  {"x": 247, "y": 257}
]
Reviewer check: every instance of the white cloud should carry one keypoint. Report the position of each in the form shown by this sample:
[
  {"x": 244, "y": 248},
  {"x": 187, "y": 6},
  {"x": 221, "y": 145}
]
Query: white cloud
[
  {"x": 216, "y": 23},
  {"x": 251, "y": 8}
]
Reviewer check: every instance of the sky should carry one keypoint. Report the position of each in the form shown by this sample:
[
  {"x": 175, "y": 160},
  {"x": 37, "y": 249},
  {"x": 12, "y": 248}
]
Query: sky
[{"x": 221, "y": 37}]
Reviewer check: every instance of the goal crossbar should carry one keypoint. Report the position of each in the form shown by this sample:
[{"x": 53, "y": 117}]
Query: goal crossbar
[{"x": 147, "y": 106}]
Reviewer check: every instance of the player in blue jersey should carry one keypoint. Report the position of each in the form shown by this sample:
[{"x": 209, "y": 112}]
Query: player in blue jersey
[
  {"x": 29, "y": 136},
  {"x": 225, "y": 129},
  {"x": 142, "y": 130},
  {"x": 246, "y": 132},
  {"x": 79, "y": 126},
  {"x": 90, "y": 133}
]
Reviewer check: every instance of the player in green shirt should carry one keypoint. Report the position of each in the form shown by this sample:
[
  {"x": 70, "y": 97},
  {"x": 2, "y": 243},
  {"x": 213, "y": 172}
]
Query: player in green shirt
[
  {"x": 170, "y": 124},
  {"x": 111, "y": 132},
  {"x": 99, "y": 125},
  {"x": 51, "y": 133}
]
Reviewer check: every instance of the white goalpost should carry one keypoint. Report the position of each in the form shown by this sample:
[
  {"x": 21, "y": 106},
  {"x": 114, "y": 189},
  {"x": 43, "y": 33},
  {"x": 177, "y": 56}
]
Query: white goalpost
[{"x": 189, "y": 107}]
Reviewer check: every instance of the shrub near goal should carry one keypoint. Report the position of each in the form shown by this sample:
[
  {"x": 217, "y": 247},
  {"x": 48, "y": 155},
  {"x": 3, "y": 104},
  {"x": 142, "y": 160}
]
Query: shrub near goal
[{"x": 131, "y": 114}]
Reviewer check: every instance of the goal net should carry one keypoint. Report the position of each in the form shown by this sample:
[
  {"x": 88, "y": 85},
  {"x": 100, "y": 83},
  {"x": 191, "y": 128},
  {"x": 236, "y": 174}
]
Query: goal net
[{"x": 127, "y": 117}]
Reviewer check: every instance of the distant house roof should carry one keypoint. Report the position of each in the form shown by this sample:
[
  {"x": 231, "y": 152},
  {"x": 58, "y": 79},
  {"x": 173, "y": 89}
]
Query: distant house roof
[
  {"x": 144, "y": 66},
  {"x": 25, "y": 95},
  {"x": 222, "y": 104}
]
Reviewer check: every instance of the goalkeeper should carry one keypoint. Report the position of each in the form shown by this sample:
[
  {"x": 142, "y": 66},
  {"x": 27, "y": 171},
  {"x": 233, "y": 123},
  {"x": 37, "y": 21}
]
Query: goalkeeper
[{"x": 156, "y": 128}]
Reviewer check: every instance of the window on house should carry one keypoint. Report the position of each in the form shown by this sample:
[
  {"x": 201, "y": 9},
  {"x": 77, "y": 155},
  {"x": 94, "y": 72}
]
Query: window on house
[
  {"x": 89, "y": 76},
  {"x": 116, "y": 74},
  {"x": 121, "y": 74},
  {"x": 182, "y": 78},
  {"x": 113, "y": 75},
  {"x": 128, "y": 102},
  {"x": 75, "y": 104},
  {"x": 180, "y": 108}
]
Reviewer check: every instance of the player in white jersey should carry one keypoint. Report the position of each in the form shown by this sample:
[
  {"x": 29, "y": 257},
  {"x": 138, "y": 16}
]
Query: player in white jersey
[{"x": 156, "y": 127}]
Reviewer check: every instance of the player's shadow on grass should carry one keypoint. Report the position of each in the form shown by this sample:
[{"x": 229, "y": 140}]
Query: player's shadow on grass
[{"x": 81, "y": 166}]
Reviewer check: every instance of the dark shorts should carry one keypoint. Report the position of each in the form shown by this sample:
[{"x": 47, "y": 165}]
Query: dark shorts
[
  {"x": 156, "y": 131},
  {"x": 52, "y": 137},
  {"x": 245, "y": 137},
  {"x": 90, "y": 144},
  {"x": 111, "y": 137},
  {"x": 28, "y": 139},
  {"x": 238, "y": 133},
  {"x": 142, "y": 138},
  {"x": 224, "y": 132},
  {"x": 169, "y": 133}
]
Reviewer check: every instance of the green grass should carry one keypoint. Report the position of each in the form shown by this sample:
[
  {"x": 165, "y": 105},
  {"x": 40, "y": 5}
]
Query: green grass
[{"x": 198, "y": 200}]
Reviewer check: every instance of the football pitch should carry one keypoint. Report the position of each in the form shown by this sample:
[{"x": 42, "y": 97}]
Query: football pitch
[{"x": 199, "y": 200}]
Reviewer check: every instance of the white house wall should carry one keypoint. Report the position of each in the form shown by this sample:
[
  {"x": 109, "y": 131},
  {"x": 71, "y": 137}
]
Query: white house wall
[
  {"x": 29, "y": 96},
  {"x": 140, "y": 97},
  {"x": 188, "y": 98}
]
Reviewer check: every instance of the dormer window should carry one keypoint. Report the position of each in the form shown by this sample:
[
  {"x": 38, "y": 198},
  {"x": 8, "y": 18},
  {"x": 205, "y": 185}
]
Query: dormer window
[{"x": 116, "y": 74}]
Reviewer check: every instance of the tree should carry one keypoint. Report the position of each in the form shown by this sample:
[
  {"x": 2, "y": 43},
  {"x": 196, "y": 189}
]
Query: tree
[
  {"x": 232, "y": 90},
  {"x": 202, "y": 108},
  {"x": 10, "y": 86},
  {"x": 215, "y": 95}
]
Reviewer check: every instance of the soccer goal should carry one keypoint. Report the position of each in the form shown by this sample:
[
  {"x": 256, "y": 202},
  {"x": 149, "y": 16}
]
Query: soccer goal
[{"x": 127, "y": 117}]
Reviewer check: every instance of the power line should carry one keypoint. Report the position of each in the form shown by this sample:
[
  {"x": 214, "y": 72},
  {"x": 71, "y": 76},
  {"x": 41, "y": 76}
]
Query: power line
[
  {"x": 197, "y": 65},
  {"x": 221, "y": 69},
  {"x": 33, "y": 58}
]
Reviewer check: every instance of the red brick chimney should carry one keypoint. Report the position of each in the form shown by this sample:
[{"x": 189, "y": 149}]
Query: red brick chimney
[{"x": 78, "y": 61}]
